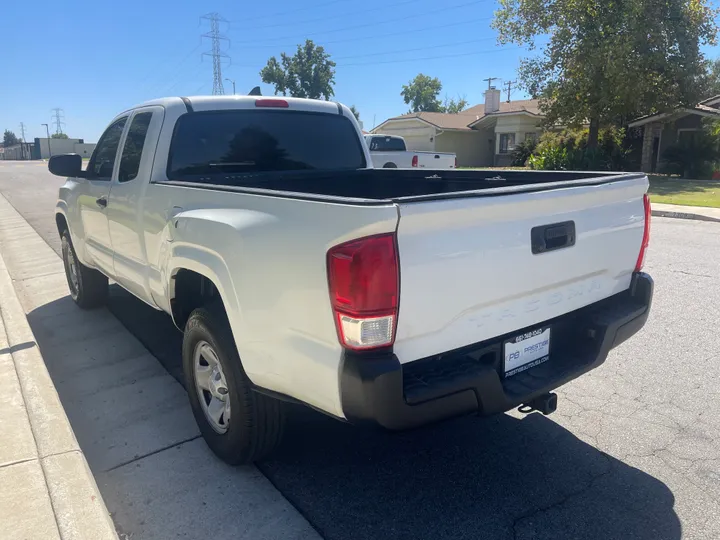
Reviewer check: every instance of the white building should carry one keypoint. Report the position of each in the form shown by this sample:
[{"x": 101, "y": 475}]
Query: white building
[{"x": 44, "y": 147}]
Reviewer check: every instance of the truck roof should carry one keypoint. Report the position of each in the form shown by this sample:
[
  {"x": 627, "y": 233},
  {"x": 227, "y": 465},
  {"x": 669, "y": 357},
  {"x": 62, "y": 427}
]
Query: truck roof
[{"x": 215, "y": 103}]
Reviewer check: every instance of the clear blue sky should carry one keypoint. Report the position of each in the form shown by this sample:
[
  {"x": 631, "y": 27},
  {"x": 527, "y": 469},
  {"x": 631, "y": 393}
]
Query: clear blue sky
[{"x": 94, "y": 59}]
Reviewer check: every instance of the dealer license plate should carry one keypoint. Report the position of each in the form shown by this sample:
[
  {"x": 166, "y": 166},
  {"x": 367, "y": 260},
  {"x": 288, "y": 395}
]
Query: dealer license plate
[{"x": 527, "y": 350}]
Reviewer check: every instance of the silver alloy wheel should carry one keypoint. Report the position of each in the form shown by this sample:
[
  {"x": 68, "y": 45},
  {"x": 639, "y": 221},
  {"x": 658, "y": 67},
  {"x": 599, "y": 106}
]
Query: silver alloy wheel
[
  {"x": 72, "y": 271},
  {"x": 211, "y": 386}
]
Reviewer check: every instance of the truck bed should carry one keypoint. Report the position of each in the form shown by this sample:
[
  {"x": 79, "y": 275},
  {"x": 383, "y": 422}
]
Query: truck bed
[{"x": 370, "y": 186}]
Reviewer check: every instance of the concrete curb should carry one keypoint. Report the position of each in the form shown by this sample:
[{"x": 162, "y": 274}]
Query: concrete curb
[
  {"x": 78, "y": 507},
  {"x": 684, "y": 215}
]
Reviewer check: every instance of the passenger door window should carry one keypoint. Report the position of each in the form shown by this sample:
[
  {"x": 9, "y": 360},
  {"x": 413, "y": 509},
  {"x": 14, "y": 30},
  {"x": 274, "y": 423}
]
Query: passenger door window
[
  {"x": 102, "y": 161},
  {"x": 132, "y": 150}
]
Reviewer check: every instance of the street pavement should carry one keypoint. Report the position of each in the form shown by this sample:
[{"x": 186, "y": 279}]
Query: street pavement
[{"x": 633, "y": 450}]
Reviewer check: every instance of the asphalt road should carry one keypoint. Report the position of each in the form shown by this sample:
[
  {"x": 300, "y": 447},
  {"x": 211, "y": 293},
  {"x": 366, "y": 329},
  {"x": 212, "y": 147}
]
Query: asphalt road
[{"x": 632, "y": 452}]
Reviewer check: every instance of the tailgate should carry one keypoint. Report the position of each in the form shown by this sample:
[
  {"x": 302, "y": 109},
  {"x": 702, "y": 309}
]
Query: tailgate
[{"x": 468, "y": 272}]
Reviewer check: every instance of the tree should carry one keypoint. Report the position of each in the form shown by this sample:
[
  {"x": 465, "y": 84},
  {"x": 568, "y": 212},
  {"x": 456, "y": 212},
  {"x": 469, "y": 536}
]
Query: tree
[
  {"x": 58, "y": 136},
  {"x": 422, "y": 94},
  {"x": 308, "y": 74},
  {"x": 453, "y": 106},
  {"x": 609, "y": 60},
  {"x": 355, "y": 112},
  {"x": 9, "y": 138},
  {"x": 712, "y": 87}
]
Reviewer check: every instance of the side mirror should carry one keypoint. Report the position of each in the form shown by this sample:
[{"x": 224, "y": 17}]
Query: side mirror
[{"x": 68, "y": 165}]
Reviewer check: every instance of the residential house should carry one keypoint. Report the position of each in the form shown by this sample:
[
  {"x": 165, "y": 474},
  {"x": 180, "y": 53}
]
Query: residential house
[
  {"x": 665, "y": 129},
  {"x": 481, "y": 136}
]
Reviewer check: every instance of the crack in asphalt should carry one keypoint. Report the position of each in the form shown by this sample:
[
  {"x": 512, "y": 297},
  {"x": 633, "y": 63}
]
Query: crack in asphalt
[{"x": 569, "y": 496}]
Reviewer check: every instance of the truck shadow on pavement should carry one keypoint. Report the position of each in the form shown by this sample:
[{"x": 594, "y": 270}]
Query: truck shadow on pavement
[{"x": 468, "y": 478}]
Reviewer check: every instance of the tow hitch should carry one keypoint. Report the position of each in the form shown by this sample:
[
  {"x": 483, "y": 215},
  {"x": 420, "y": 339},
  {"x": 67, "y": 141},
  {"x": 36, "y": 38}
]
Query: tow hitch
[{"x": 546, "y": 404}]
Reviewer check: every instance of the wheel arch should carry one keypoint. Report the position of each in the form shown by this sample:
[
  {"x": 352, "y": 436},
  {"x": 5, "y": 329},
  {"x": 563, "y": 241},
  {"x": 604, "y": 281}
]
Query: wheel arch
[{"x": 189, "y": 290}]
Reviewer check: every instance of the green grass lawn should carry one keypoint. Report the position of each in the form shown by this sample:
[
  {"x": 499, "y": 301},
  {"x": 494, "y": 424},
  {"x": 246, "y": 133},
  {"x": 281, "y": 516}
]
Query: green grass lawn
[{"x": 672, "y": 190}]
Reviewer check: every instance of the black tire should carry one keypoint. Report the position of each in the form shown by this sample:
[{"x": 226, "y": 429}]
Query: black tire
[
  {"x": 256, "y": 421},
  {"x": 88, "y": 287},
  {"x": 389, "y": 166}
]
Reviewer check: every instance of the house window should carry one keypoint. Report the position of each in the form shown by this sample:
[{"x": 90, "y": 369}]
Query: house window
[
  {"x": 686, "y": 137},
  {"x": 507, "y": 142},
  {"x": 531, "y": 136}
]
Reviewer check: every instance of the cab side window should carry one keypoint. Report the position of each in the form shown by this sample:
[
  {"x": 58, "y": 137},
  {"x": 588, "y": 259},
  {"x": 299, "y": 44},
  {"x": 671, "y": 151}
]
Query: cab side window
[
  {"x": 103, "y": 158},
  {"x": 134, "y": 142}
]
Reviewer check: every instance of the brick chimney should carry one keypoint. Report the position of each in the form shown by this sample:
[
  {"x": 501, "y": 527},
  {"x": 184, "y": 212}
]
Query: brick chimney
[{"x": 492, "y": 100}]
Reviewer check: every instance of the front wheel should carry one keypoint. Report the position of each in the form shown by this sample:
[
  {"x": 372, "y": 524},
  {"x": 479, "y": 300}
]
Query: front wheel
[
  {"x": 88, "y": 287},
  {"x": 239, "y": 425}
]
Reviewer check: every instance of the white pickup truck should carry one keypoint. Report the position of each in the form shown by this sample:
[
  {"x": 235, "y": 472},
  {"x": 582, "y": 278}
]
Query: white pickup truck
[
  {"x": 400, "y": 297},
  {"x": 390, "y": 152}
]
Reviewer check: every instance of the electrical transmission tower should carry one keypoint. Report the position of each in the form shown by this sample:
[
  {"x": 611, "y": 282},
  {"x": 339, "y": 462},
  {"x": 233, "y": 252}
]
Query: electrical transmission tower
[
  {"x": 58, "y": 117},
  {"x": 216, "y": 54},
  {"x": 22, "y": 131}
]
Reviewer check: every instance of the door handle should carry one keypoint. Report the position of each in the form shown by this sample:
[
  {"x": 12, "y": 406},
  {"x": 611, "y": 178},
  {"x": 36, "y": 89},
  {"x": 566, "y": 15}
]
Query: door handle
[
  {"x": 101, "y": 202},
  {"x": 551, "y": 237}
]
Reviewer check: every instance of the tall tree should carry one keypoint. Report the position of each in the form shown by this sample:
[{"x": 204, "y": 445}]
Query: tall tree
[
  {"x": 422, "y": 94},
  {"x": 609, "y": 59},
  {"x": 309, "y": 73},
  {"x": 355, "y": 112},
  {"x": 713, "y": 78},
  {"x": 454, "y": 106},
  {"x": 9, "y": 138}
]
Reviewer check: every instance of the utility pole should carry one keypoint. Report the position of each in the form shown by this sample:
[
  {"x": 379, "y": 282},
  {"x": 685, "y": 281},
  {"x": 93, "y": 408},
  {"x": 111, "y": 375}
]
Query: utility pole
[
  {"x": 509, "y": 87},
  {"x": 23, "y": 143},
  {"x": 47, "y": 130},
  {"x": 58, "y": 114},
  {"x": 490, "y": 80},
  {"x": 216, "y": 54},
  {"x": 233, "y": 83}
]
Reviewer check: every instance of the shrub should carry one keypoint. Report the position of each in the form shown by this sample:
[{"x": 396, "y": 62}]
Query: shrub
[
  {"x": 692, "y": 158},
  {"x": 567, "y": 149},
  {"x": 522, "y": 152}
]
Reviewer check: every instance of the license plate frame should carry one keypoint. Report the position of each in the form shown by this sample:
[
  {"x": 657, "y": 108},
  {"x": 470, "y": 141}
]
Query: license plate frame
[{"x": 526, "y": 350}]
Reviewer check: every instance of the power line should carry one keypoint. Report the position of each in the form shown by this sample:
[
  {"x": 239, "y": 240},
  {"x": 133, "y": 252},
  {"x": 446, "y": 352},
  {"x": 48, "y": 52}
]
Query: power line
[
  {"x": 59, "y": 115},
  {"x": 216, "y": 54},
  {"x": 415, "y": 49},
  {"x": 381, "y": 35},
  {"x": 154, "y": 82},
  {"x": 430, "y": 58},
  {"x": 303, "y": 8},
  {"x": 354, "y": 14},
  {"x": 444, "y": 9}
]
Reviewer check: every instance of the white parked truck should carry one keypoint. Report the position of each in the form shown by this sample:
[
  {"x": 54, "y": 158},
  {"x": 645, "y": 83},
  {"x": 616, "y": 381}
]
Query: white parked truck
[
  {"x": 390, "y": 152},
  {"x": 297, "y": 273}
]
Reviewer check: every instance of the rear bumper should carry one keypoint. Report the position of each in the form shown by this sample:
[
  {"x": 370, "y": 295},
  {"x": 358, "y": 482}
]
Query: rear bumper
[{"x": 378, "y": 388}]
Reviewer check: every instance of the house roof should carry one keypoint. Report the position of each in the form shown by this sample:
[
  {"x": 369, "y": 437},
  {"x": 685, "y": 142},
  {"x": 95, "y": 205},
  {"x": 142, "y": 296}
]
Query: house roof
[
  {"x": 704, "y": 108},
  {"x": 463, "y": 120}
]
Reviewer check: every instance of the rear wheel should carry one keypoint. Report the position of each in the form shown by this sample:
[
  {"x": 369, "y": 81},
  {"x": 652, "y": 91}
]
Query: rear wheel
[
  {"x": 239, "y": 425},
  {"x": 88, "y": 287},
  {"x": 389, "y": 166}
]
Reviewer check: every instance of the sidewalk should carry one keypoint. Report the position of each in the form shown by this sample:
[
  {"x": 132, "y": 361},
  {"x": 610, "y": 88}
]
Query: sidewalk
[
  {"x": 700, "y": 213},
  {"x": 46, "y": 488},
  {"x": 131, "y": 419}
]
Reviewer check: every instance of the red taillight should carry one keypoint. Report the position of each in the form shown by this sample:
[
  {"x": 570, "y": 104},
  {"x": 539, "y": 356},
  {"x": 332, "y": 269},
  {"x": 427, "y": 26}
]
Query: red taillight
[
  {"x": 415, "y": 161},
  {"x": 281, "y": 103},
  {"x": 364, "y": 287},
  {"x": 646, "y": 234}
]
